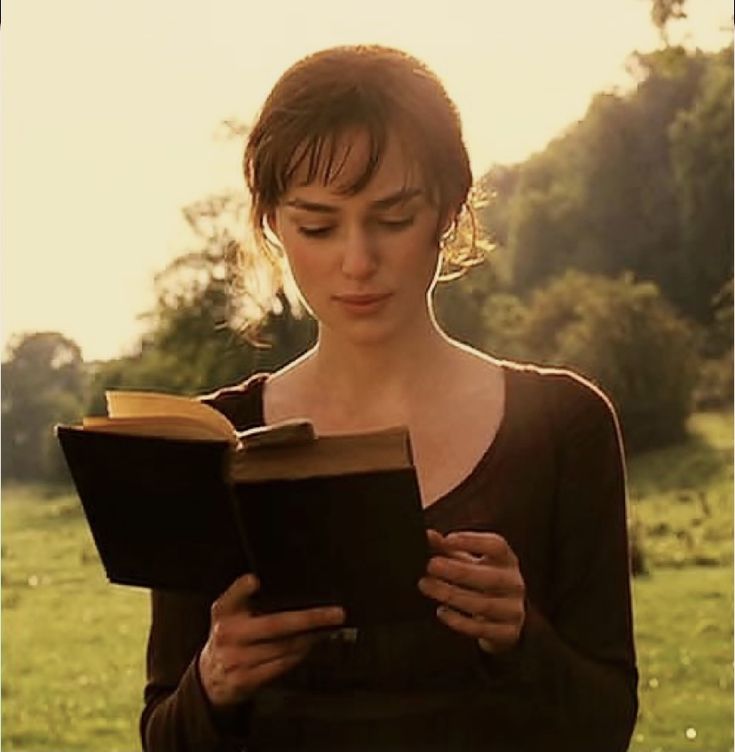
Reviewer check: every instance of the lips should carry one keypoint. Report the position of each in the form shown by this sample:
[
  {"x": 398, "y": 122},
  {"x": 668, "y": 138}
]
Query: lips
[
  {"x": 362, "y": 299},
  {"x": 362, "y": 304}
]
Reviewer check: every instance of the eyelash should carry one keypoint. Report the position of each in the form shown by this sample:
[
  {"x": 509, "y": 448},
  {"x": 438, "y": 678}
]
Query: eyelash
[{"x": 323, "y": 232}]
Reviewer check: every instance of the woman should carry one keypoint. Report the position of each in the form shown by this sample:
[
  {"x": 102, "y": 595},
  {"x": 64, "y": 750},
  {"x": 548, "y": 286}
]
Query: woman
[{"x": 358, "y": 173}]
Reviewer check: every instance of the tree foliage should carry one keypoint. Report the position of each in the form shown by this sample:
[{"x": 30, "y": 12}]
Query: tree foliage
[
  {"x": 701, "y": 140},
  {"x": 194, "y": 342},
  {"x": 43, "y": 383},
  {"x": 642, "y": 183},
  {"x": 665, "y": 11},
  {"x": 628, "y": 339}
]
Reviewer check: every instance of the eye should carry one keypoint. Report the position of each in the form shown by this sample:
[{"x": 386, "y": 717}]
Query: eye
[
  {"x": 316, "y": 232},
  {"x": 396, "y": 224}
]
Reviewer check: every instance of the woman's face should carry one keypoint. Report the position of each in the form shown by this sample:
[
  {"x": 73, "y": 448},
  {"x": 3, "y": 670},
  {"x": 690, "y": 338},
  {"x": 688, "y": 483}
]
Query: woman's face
[{"x": 364, "y": 263}]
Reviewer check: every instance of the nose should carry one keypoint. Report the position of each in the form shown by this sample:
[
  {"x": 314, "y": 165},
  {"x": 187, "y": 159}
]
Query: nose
[{"x": 359, "y": 260}]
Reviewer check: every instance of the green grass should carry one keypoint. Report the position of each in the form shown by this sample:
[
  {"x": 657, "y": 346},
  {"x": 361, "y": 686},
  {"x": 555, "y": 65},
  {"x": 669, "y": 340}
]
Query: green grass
[
  {"x": 681, "y": 497},
  {"x": 682, "y": 516},
  {"x": 73, "y": 646},
  {"x": 684, "y": 641}
]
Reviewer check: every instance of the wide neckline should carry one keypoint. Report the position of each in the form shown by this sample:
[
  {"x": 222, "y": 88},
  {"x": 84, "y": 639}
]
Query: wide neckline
[
  {"x": 484, "y": 458},
  {"x": 490, "y": 450}
]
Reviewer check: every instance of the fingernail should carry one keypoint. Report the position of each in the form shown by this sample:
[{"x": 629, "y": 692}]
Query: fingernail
[{"x": 336, "y": 613}]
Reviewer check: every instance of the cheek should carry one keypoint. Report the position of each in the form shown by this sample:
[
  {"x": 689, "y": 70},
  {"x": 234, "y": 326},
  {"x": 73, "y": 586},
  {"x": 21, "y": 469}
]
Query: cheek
[
  {"x": 307, "y": 267},
  {"x": 420, "y": 257}
]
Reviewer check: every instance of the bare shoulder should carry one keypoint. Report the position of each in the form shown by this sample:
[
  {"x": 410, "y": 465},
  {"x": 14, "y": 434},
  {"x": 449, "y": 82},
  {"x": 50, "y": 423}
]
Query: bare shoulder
[
  {"x": 477, "y": 373},
  {"x": 468, "y": 391}
]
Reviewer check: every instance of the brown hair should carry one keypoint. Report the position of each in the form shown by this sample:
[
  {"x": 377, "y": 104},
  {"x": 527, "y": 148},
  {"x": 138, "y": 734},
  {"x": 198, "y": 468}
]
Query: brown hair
[{"x": 375, "y": 89}]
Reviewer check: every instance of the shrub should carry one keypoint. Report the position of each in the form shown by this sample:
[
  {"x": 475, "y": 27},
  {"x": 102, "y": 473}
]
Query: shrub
[
  {"x": 715, "y": 383},
  {"x": 625, "y": 337}
]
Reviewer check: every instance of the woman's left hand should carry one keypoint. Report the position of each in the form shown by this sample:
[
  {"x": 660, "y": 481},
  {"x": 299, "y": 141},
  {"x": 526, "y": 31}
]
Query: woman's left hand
[{"x": 476, "y": 578}]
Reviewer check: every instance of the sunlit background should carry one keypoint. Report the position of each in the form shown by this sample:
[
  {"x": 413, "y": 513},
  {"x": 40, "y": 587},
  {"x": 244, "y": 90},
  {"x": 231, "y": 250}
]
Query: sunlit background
[
  {"x": 606, "y": 144},
  {"x": 111, "y": 112}
]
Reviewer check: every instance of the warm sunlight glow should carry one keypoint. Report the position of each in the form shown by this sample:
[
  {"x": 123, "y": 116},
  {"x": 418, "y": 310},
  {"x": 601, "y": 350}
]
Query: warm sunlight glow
[{"x": 110, "y": 112}]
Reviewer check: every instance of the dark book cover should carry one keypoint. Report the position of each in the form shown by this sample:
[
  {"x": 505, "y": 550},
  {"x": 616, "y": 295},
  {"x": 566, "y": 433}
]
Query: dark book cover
[{"x": 163, "y": 514}]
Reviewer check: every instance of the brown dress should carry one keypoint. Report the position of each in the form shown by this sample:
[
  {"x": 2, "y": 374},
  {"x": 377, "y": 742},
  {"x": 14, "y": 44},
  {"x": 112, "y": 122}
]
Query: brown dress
[{"x": 553, "y": 485}]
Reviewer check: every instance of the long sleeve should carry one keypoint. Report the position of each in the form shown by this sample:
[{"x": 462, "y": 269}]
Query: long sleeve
[
  {"x": 177, "y": 716},
  {"x": 578, "y": 659}
]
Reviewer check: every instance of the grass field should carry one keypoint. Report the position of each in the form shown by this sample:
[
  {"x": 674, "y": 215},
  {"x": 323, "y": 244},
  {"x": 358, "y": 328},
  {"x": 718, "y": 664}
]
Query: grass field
[{"x": 73, "y": 646}]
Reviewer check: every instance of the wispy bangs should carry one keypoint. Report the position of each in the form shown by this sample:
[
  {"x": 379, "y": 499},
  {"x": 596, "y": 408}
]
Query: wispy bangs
[{"x": 323, "y": 147}]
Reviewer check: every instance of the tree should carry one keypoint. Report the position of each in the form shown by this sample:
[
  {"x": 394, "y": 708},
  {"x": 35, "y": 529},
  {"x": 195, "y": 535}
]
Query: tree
[
  {"x": 626, "y": 337},
  {"x": 43, "y": 383},
  {"x": 642, "y": 184},
  {"x": 701, "y": 140},
  {"x": 189, "y": 345},
  {"x": 196, "y": 340},
  {"x": 665, "y": 11}
]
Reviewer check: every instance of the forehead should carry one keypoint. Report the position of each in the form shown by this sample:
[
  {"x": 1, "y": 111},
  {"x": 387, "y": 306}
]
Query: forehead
[{"x": 344, "y": 161}]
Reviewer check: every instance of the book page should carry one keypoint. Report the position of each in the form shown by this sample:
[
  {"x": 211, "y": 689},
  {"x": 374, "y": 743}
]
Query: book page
[
  {"x": 335, "y": 454},
  {"x": 124, "y": 404},
  {"x": 163, "y": 426}
]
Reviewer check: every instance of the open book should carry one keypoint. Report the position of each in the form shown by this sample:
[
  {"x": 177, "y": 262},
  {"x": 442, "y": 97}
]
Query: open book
[{"x": 176, "y": 498}]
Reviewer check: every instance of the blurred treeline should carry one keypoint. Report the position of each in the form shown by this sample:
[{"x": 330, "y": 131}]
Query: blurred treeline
[{"x": 613, "y": 256}]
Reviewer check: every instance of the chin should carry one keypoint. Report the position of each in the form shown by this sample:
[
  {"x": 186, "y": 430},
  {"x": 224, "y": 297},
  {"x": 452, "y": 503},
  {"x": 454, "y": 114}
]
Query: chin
[{"x": 368, "y": 332}]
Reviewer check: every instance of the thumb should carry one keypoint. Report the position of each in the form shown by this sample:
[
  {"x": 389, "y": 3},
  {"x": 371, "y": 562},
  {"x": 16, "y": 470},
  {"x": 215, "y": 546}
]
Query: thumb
[
  {"x": 436, "y": 540},
  {"x": 237, "y": 595}
]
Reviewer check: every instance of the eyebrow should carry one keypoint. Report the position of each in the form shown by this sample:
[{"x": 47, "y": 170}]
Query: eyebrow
[{"x": 399, "y": 197}]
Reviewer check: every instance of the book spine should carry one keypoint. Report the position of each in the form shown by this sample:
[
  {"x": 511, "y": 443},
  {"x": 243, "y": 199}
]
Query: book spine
[{"x": 229, "y": 459}]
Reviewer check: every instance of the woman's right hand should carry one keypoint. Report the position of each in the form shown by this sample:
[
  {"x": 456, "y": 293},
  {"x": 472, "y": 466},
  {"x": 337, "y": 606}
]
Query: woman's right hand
[{"x": 245, "y": 650}]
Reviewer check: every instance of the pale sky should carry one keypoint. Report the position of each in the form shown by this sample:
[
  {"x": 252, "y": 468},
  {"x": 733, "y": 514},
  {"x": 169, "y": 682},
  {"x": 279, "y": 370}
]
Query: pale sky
[{"x": 110, "y": 110}]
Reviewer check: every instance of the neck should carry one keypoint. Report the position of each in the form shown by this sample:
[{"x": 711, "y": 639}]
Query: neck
[{"x": 369, "y": 379}]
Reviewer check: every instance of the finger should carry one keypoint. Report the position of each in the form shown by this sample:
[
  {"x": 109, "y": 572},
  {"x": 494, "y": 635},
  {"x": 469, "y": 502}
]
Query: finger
[
  {"x": 436, "y": 540},
  {"x": 499, "y": 636},
  {"x": 491, "y": 546},
  {"x": 236, "y": 596},
  {"x": 242, "y": 679},
  {"x": 287, "y": 623},
  {"x": 263, "y": 652},
  {"x": 250, "y": 679},
  {"x": 251, "y": 655},
  {"x": 243, "y": 628},
  {"x": 437, "y": 545},
  {"x": 486, "y": 578},
  {"x": 498, "y": 610},
  {"x": 462, "y": 556}
]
